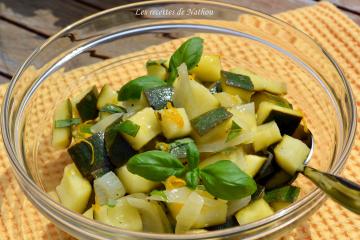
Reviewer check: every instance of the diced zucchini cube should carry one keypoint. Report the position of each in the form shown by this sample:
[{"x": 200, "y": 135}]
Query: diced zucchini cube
[
  {"x": 255, "y": 211},
  {"x": 61, "y": 137},
  {"x": 89, "y": 213},
  {"x": 266, "y": 135},
  {"x": 208, "y": 68},
  {"x": 122, "y": 215},
  {"x": 74, "y": 190},
  {"x": 174, "y": 123},
  {"x": 134, "y": 183},
  {"x": 149, "y": 128},
  {"x": 107, "y": 96},
  {"x": 252, "y": 164},
  {"x": 228, "y": 100},
  {"x": 290, "y": 154}
]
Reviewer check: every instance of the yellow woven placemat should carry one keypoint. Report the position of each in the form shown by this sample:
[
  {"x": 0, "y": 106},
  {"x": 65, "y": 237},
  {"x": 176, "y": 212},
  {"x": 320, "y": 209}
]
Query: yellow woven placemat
[{"x": 334, "y": 31}]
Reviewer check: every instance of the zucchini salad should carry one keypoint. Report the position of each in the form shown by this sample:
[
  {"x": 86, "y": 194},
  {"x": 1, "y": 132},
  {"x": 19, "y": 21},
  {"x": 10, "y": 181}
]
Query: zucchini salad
[{"x": 187, "y": 148}]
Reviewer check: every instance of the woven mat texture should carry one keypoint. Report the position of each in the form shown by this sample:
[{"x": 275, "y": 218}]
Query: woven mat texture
[{"x": 323, "y": 22}]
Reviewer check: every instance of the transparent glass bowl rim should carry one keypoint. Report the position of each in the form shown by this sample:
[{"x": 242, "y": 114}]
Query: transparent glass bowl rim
[{"x": 314, "y": 197}]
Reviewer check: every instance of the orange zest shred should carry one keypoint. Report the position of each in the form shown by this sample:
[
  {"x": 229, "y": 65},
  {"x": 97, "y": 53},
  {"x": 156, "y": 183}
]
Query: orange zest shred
[
  {"x": 173, "y": 182},
  {"x": 173, "y": 115}
]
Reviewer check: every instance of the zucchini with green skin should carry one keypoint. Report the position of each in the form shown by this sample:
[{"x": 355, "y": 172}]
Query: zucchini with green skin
[
  {"x": 262, "y": 84},
  {"x": 291, "y": 154},
  {"x": 118, "y": 149},
  {"x": 87, "y": 106},
  {"x": 61, "y": 137},
  {"x": 89, "y": 155},
  {"x": 278, "y": 179},
  {"x": 266, "y": 135},
  {"x": 157, "y": 68},
  {"x": 107, "y": 96},
  {"x": 287, "y": 119},
  {"x": 236, "y": 84},
  {"x": 159, "y": 97},
  {"x": 215, "y": 87},
  {"x": 209, "y": 120},
  {"x": 283, "y": 194},
  {"x": 255, "y": 211},
  {"x": 260, "y": 97}
]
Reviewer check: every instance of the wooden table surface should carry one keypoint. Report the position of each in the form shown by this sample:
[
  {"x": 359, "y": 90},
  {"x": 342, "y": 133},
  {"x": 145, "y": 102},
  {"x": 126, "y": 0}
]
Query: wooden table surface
[{"x": 25, "y": 24}]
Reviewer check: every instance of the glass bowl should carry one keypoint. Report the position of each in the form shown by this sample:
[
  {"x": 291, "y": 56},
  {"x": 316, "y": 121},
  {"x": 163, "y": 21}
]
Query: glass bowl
[{"x": 112, "y": 47}]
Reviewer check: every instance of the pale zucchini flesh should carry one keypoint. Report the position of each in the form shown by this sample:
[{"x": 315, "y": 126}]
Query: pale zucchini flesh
[
  {"x": 208, "y": 69},
  {"x": 61, "y": 137},
  {"x": 255, "y": 211},
  {"x": 291, "y": 154},
  {"x": 174, "y": 123},
  {"x": 74, "y": 190},
  {"x": 107, "y": 96},
  {"x": 266, "y": 135}
]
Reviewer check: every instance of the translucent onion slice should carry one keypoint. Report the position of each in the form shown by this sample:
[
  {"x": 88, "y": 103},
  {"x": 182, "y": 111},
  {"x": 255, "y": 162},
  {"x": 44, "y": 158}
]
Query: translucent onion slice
[
  {"x": 104, "y": 123},
  {"x": 108, "y": 188},
  {"x": 177, "y": 195},
  {"x": 189, "y": 213},
  {"x": 236, "y": 205}
]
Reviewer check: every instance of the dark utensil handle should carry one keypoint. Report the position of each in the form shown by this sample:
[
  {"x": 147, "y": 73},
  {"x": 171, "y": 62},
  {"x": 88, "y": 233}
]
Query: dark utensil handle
[{"x": 341, "y": 190}]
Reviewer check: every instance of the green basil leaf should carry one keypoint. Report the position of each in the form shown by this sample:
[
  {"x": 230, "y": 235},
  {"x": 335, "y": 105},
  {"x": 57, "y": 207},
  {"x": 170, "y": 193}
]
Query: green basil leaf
[
  {"x": 112, "y": 108},
  {"x": 237, "y": 80},
  {"x": 133, "y": 89},
  {"x": 192, "y": 155},
  {"x": 160, "y": 194},
  {"x": 128, "y": 127},
  {"x": 235, "y": 130},
  {"x": 67, "y": 122},
  {"x": 227, "y": 181},
  {"x": 192, "y": 178},
  {"x": 155, "y": 165},
  {"x": 189, "y": 53}
]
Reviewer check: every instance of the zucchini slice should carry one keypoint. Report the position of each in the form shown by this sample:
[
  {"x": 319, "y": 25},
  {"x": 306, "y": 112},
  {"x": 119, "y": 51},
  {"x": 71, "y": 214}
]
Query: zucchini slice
[
  {"x": 74, "y": 190},
  {"x": 149, "y": 128},
  {"x": 277, "y": 206},
  {"x": 87, "y": 106},
  {"x": 89, "y": 213},
  {"x": 158, "y": 97},
  {"x": 215, "y": 87},
  {"x": 90, "y": 156},
  {"x": 118, "y": 149},
  {"x": 262, "y": 84},
  {"x": 208, "y": 68},
  {"x": 61, "y": 137},
  {"x": 284, "y": 194},
  {"x": 228, "y": 100},
  {"x": 287, "y": 119},
  {"x": 108, "y": 188},
  {"x": 255, "y": 211},
  {"x": 267, "y": 169},
  {"x": 209, "y": 120},
  {"x": 122, "y": 215},
  {"x": 174, "y": 123},
  {"x": 107, "y": 96},
  {"x": 260, "y": 97},
  {"x": 134, "y": 183},
  {"x": 291, "y": 154},
  {"x": 252, "y": 164},
  {"x": 266, "y": 135},
  {"x": 278, "y": 179},
  {"x": 237, "y": 85},
  {"x": 157, "y": 68}
]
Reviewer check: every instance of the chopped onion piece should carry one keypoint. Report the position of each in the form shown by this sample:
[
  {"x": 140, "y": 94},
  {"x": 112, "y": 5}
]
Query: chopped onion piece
[
  {"x": 189, "y": 213},
  {"x": 108, "y": 188},
  {"x": 236, "y": 205},
  {"x": 177, "y": 195},
  {"x": 104, "y": 123}
]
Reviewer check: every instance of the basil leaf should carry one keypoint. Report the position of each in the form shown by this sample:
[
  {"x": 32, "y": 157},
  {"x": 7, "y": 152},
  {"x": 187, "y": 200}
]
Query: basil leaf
[
  {"x": 189, "y": 53},
  {"x": 128, "y": 127},
  {"x": 112, "y": 108},
  {"x": 160, "y": 194},
  {"x": 237, "y": 80},
  {"x": 178, "y": 148},
  {"x": 155, "y": 165},
  {"x": 67, "y": 122},
  {"x": 133, "y": 89},
  {"x": 235, "y": 130},
  {"x": 192, "y": 155},
  {"x": 192, "y": 178},
  {"x": 227, "y": 181}
]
